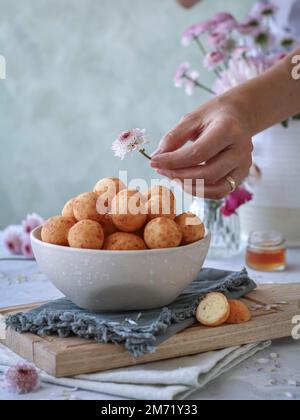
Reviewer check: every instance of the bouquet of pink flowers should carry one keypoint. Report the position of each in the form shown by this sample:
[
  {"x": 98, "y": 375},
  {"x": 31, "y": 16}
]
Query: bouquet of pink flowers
[{"x": 235, "y": 52}]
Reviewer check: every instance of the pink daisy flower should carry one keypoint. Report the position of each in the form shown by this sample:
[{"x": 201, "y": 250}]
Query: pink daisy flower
[
  {"x": 187, "y": 78},
  {"x": 266, "y": 9},
  {"x": 26, "y": 247},
  {"x": 212, "y": 60},
  {"x": 225, "y": 21},
  {"x": 129, "y": 141},
  {"x": 22, "y": 379},
  {"x": 180, "y": 73},
  {"x": 195, "y": 31},
  {"x": 12, "y": 239},
  {"x": 250, "y": 26},
  {"x": 217, "y": 39},
  {"x": 31, "y": 222}
]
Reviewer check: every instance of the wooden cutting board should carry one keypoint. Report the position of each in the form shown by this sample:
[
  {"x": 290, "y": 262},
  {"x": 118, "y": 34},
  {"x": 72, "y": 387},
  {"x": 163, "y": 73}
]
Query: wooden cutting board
[{"x": 73, "y": 356}]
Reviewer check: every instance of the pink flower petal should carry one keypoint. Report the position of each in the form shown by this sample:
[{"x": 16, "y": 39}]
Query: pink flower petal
[
  {"x": 12, "y": 239},
  {"x": 22, "y": 379},
  {"x": 26, "y": 247}
]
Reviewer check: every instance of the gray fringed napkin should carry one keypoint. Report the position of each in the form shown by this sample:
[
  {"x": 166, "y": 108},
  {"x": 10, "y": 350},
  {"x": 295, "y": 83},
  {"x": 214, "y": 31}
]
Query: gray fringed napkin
[{"x": 140, "y": 333}]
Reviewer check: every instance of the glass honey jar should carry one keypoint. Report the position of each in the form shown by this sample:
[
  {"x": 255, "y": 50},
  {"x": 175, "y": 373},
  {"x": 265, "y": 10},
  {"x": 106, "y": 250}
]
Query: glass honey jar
[{"x": 266, "y": 251}]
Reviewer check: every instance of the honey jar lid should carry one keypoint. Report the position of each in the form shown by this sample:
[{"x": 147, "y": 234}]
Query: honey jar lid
[{"x": 266, "y": 240}]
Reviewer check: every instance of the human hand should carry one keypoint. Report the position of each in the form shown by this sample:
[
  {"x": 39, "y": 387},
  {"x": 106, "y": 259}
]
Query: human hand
[{"x": 222, "y": 147}]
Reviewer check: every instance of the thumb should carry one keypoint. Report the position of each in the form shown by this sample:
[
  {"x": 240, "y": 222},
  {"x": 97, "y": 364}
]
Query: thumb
[{"x": 184, "y": 131}]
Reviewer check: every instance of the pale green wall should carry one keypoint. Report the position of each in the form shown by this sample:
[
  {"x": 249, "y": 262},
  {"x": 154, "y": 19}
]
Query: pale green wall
[{"x": 79, "y": 72}]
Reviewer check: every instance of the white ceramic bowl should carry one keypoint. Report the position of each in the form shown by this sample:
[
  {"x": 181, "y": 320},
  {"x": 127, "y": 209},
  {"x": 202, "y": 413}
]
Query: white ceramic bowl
[{"x": 120, "y": 280}]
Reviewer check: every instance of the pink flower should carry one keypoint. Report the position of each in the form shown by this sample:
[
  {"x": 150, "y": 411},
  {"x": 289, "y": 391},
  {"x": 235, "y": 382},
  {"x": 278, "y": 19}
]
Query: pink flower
[
  {"x": 180, "y": 74},
  {"x": 240, "y": 70},
  {"x": 224, "y": 21},
  {"x": 250, "y": 26},
  {"x": 264, "y": 38},
  {"x": 190, "y": 83},
  {"x": 26, "y": 247},
  {"x": 12, "y": 238},
  {"x": 129, "y": 141},
  {"x": 187, "y": 78},
  {"x": 195, "y": 31},
  {"x": 22, "y": 378},
  {"x": 212, "y": 60},
  {"x": 239, "y": 52},
  {"x": 266, "y": 9},
  {"x": 222, "y": 17},
  {"x": 235, "y": 200},
  {"x": 217, "y": 40},
  {"x": 288, "y": 42},
  {"x": 31, "y": 222}
]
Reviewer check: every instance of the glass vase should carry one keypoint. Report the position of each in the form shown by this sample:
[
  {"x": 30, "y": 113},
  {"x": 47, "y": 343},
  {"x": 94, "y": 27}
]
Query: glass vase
[{"x": 225, "y": 231}]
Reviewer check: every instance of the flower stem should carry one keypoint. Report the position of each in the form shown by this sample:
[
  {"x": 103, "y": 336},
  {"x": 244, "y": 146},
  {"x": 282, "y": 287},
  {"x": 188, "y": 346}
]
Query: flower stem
[
  {"x": 200, "y": 85},
  {"x": 143, "y": 152},
  {"x": 201, "y": 46},
  {"x": 204, "y": 52}
]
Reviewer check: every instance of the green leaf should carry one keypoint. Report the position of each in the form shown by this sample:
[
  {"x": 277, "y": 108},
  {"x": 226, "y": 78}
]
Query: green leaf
[
  {"x": 296, "y": 117},
  {"x": 285, "y": 124}
]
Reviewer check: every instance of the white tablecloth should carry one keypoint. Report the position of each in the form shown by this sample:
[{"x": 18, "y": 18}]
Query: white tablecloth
[{"x": 22, "y": 283}]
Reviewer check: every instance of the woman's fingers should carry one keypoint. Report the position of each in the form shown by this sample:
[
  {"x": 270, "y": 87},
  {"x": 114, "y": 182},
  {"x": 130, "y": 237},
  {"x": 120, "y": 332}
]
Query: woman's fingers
[
  {"x": 186, "y": 130},
  {"x": 216, "y": 191},
  {"x": 213, "y": 171},
  {"x": 210, "y": 144}
]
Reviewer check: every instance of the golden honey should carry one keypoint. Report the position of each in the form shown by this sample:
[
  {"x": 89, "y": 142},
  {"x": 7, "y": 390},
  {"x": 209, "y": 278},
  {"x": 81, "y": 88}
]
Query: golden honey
[{"x": 266, "y": 252}]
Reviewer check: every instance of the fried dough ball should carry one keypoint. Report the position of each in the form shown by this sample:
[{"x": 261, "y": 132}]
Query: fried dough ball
[
  {"x": 85, "y": 207},
  {"x": 160, "y": 190},
  {"x": 108, "y": 225},
  {"x": 239, "y": 312},
  {"x": 68, "y": 209},
  {"x": 161, "y": 206},
  {"x": 55, "y": 230},
  {"x": 214, "y": 310},
  {"x": 107, "y": 189},
  {"x": 162, "y": 233},
  {"x": 122, "y": 241},
  {"x": 128, "y": 211},
  {"x": 86, "y": 234},
  {"x": 192, "y": 228}
]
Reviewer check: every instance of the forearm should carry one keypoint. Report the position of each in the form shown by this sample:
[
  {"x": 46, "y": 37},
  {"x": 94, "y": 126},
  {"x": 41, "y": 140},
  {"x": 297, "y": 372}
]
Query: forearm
[{"x": 269, "y": 99}]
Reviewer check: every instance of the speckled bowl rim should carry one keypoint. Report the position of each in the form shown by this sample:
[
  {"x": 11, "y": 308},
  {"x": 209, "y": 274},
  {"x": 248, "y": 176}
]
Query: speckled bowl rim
[{"x": 36, "y": 232}]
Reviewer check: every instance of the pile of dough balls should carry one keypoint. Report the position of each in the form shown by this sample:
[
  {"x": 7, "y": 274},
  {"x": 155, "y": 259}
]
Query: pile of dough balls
[{"x": 115, "y": 218}]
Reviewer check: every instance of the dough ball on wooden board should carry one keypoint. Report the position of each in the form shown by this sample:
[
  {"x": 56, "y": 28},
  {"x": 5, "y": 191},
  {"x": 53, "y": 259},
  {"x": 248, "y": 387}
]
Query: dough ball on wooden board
[
  {"x": 214, "y": 310},
  {"x": 86, "y": 234},
  {"x": 161, "y": 206},
  {"x": 85, "y": 207},
  {"x": 108, "y": 225},
  {"x": 68, "y": 209},
  {"x": 128, "y": 211},
  {"x": 192, "y": 228},
  {"x": 239, "y": 312},
  {"x": 55, "y": 230},
  {"x": 122, "y": 241},
  {"x": 162, "y": 233},
  {"x": 107, "y": 189}
]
